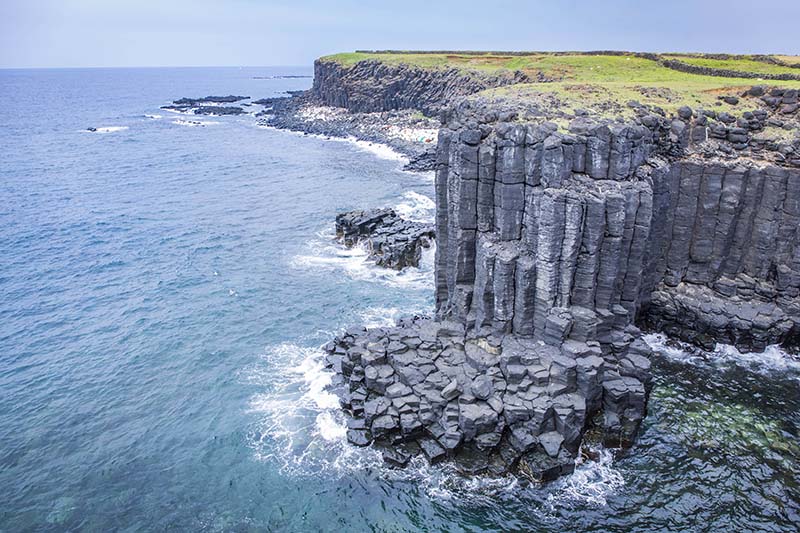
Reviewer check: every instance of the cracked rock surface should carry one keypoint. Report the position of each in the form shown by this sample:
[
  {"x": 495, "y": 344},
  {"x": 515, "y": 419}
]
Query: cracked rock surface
[
  {"x": 392, "y": 241},
  {"x": 493, "y": 404}
]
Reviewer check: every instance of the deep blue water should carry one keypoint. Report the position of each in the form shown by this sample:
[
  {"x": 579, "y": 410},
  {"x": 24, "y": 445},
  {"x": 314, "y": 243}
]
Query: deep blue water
[{"x": 164, "y": 289}]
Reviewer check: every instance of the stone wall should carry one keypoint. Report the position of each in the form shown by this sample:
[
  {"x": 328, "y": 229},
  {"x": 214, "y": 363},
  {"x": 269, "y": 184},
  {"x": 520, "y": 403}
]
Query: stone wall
[{"x": 682, "y": 66}]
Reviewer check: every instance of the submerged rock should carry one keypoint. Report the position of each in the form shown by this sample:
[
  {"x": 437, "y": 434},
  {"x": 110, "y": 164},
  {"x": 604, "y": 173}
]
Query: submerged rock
[
  {"x": 392, "y": 241},
  {"x": 209, "y": 100},
  {"x": 208, "y": 105}
]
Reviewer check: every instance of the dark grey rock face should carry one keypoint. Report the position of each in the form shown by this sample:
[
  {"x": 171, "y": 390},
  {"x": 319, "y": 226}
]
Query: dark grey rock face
[
  {"x": 392, "y": 241},
  {"x": 371, "y": 86},
  {"x": 499, "y": 404},
  {"x": 559, "y": 235},
  {"x": 564, "y": 227},
  {"x": 722, "y": 262}
]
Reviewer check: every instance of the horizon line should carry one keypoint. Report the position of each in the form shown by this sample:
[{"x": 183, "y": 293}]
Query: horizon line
[{"x": 155, "y": 66}]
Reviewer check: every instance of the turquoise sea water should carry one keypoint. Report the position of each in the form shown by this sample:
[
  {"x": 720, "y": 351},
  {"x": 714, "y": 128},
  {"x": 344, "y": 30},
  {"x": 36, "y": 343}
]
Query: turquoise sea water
[{"x": 165, "y": 288}]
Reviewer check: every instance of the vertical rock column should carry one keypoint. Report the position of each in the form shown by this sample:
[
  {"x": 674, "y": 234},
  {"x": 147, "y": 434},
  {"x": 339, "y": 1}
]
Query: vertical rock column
[{"x": 541, "y": 233}]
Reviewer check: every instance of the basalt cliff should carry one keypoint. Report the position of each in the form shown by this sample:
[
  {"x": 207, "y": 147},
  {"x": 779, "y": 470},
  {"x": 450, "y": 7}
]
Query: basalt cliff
[{"x": 561, "y": 233}]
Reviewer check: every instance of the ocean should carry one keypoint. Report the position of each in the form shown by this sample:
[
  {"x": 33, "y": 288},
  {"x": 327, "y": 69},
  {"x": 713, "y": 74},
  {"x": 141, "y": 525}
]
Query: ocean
[{"x": 166, "y": 287}]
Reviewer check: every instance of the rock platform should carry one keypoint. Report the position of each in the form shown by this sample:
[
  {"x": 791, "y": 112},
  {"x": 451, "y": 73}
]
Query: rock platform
[
  {"x": 494, "y": 404},
  {"x": 392, "y": 241}
]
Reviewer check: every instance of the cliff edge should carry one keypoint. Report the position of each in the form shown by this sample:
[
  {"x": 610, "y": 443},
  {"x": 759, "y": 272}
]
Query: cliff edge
[{"x": 568, "y": 215}]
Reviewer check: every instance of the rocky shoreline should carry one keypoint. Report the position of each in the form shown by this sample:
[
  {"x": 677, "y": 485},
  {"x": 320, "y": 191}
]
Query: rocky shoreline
[
  {"x": 559, "y": 233},
  {"x": 498, "y": 404},
  {"x": 392, "y": 241},
  {"x": 407, "y": 132}
]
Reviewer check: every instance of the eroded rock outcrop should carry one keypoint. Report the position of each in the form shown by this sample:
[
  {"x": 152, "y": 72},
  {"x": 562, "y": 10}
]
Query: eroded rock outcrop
[
  {"x": 208, "y": 105},
  {"x": 392, "y": 241},
  {"x": 495, "y": 404}
]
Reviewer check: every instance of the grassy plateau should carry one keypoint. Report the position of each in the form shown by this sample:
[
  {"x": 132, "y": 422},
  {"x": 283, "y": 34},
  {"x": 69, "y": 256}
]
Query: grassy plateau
[{"x": 592, "y": 80}]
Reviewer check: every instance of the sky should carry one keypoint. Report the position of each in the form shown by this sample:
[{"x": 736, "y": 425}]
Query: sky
[{"x": 126, "y": 33}]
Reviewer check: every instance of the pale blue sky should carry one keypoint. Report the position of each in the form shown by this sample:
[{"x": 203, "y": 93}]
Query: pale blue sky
[{"x": 83, "y": 33}]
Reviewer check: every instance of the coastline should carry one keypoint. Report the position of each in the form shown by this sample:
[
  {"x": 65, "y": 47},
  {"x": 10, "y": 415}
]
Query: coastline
[{"x": 407, "y": 132}]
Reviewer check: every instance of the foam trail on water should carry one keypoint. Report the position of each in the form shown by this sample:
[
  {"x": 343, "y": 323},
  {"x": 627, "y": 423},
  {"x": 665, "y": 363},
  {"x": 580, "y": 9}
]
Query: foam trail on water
[
  {"x": 773, "y": 359},
  {"x": 106, "y": 129}
]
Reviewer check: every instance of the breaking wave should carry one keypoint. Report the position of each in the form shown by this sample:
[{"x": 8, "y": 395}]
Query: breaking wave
[
  {"x": 324, "y": 252},
  {"x": 590, "y": 484},
  {"x": 300, "y": 426},
  {"x": 416, "y": 207},
  {"x": 773, "y": 359},
  {"x": 302, "y": 430}
]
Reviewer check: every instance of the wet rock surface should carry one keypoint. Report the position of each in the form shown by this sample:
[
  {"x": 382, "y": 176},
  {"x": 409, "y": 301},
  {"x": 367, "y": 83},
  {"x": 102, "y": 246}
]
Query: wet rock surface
[
  {"x": 494, "y": 404},
  {"x": 392, "y": 241},
  {"x": 208, "y": 105}
]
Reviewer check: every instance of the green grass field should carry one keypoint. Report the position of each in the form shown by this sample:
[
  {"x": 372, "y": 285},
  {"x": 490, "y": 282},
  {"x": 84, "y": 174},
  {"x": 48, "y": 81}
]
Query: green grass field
[{"x": 591, "y": 80}]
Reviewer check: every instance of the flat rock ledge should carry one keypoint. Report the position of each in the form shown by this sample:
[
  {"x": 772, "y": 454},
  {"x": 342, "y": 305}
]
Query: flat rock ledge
[
  {"x": 392, "y": 241},
  {"x": 492, "y": 404},
  {"x": 208, "y": 105}
]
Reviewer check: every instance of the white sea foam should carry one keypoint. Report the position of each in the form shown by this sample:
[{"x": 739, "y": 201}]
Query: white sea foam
[
  {"x": 376, "y": 317},
  {"x": 300, "y": 427},
  {"x": 770, "y": 360},
  {"x": 590, "y": 484},
  {"x": 180, "y": 111},
  {"x": 324, "y": 252},
  {"x": 382, "y": 151},
  {"x": 106, "y": 129},
  {"x": 416, "y": 207},
  {"x": 194, "y": 123}
]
